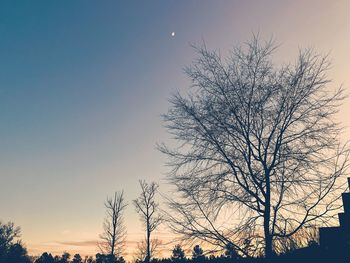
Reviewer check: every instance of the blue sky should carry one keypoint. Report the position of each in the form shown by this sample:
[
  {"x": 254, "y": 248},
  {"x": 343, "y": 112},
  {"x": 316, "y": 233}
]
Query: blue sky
[{"x": 83, "y": 84}]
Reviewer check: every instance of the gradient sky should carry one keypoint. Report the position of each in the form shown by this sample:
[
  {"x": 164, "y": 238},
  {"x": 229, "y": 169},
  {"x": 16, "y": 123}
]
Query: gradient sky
[{"x": 83, "y": 84}]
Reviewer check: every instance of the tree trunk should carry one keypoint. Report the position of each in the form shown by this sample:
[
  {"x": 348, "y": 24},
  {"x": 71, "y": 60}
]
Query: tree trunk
[
  {"x": 148, "y": 257},
  {"x": 268, "y": 245},
  {"x": 267, "y": 212}
]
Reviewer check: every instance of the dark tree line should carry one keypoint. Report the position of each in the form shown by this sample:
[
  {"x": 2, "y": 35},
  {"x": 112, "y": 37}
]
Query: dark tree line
[
  {"x": 66, "y": 258},
  {"x": 178, "y": 255}
]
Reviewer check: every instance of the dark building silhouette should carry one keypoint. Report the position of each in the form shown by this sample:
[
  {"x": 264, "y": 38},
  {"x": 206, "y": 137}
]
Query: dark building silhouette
[{"x": 338, "y": 238}]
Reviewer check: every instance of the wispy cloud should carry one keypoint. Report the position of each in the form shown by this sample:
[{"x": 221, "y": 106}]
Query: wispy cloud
[
  {"x": 84, "y": 243},
  {"x": 88, "y": 243}
]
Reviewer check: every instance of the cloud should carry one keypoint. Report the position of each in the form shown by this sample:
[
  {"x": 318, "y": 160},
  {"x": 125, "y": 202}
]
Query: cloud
[{"x": 86, "y": 243}]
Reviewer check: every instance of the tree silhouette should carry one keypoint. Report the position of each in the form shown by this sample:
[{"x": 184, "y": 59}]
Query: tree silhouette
[
  {"x": 109, "y": 258},
  {"x": 178, "y": 253},
  {"x": 113, "y": 237},
  {"x": 100, "y": 258},
  {"x": 17, "y": 253},
  {"x": 77, "y": 259},
  {"x": 197, "y": 252},
  {"x": 65, "y": 258},
  {"x": 11, "y": 249},
  {"x": 257, "y": 141},
  {"x": 8, "y": 233},
  {"x": 88, "y": 259},
  {"x": 45, "y": 258},
  {"x": 146, "y": 206}
]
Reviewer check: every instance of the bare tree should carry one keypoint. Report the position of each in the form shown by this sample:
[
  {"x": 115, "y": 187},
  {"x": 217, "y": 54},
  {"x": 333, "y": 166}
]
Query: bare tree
[
  {"x": 259, "y": 153},
  {"x": 114, "y": 231},
  {"x": 146, "y": 206}
]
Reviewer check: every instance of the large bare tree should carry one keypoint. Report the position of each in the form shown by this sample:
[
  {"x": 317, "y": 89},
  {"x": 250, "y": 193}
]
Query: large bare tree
[
  {"x": 259, "y": 152},
  {"x": 146, "y": 206},
  {"x": 114, "y": 231}
]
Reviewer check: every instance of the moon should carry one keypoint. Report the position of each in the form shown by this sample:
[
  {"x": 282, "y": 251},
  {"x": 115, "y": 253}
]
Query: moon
[{"x": 173, "y": 34}]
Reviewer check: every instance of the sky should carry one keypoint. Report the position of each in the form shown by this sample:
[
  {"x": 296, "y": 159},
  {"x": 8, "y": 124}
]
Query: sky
[{"x": 83, "y": 85}]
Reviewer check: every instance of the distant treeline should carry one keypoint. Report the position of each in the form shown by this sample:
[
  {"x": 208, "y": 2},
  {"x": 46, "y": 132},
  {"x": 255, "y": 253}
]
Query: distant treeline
[
  {"x": 13, "y": 251},
  {"x": 310, "y": 254}
]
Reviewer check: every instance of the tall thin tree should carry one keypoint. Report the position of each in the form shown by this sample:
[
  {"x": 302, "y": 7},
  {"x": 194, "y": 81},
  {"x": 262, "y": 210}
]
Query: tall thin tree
[
  {"x": 114, "y": 231},
  {"x": 146, "y": 206}
]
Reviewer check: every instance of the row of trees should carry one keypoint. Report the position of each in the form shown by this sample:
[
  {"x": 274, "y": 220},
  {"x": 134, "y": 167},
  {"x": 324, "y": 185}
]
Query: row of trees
[
  {"x": 12, "y": 251},
  {"x": 112, "y": 239},
  {"x": 178, "y": 254},
  {"x": 114, "y": 234}
]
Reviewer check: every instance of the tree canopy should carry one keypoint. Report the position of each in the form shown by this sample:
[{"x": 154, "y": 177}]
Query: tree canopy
[{"x": 259, "y": 153}]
